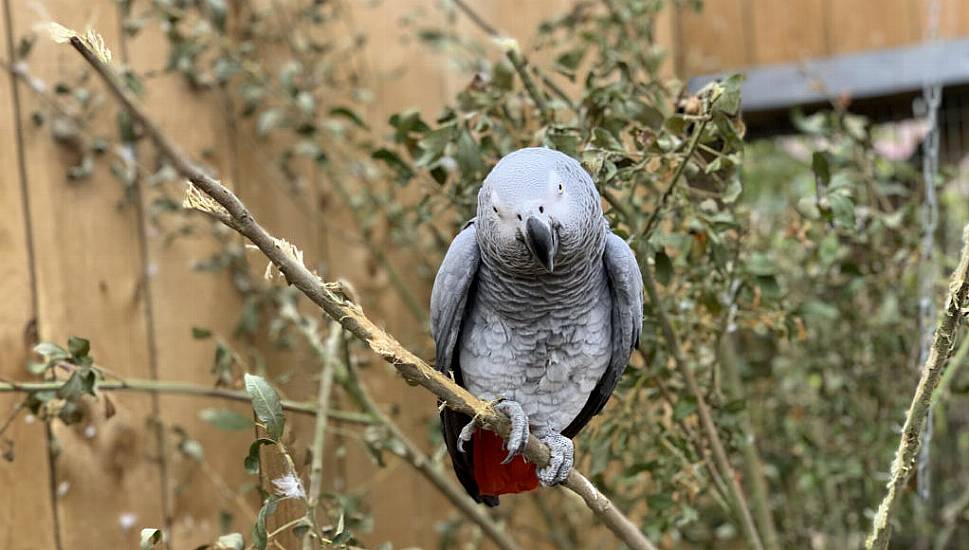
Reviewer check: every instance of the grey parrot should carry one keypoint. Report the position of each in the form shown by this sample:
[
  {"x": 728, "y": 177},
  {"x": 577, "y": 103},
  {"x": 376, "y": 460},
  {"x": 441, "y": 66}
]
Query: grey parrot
[{"x": 536, "y": 304}]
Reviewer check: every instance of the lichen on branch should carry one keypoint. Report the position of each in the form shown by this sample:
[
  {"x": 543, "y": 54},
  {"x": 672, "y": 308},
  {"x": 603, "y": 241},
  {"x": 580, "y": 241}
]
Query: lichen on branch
[{"x": 350, "y": 315}]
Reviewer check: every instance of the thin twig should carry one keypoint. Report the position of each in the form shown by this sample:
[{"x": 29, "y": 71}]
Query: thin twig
[
  {"x": 319, "y": 435},
  {"x": 403, "y": 291},
  {"x": 677, "y": 175},
  {"x": 183, "y": 388},
  {"x": 412, "y": 454},
  {"x": 518, "y": 61},
  {"x": 703, "y": 410},
  {"x": 414, "y": 369},
  {"x": 951, "y": 514},
  {"x": 943, "y": 341}
]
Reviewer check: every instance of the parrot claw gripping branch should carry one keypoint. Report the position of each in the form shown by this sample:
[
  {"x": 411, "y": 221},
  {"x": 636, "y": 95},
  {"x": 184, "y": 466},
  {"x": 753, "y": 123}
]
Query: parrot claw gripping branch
[
  {"x": 538, "y": 301},
  {"x": 542, "y": 241}
]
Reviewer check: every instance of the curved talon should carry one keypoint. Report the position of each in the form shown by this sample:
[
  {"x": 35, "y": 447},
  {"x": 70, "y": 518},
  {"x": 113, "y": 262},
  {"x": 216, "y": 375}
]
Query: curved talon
[
  {"x": 518, "y": 435},
  {"x": 466, "y": 432},
  {"x": 561, "y": 457}
]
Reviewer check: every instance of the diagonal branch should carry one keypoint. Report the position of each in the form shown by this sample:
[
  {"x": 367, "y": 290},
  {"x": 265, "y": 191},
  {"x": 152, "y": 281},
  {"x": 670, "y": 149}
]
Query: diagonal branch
[
  {"x": 956, "y": 307},
  {"x": 703, "y": 410},
  {"x": 410, "y": 366}
]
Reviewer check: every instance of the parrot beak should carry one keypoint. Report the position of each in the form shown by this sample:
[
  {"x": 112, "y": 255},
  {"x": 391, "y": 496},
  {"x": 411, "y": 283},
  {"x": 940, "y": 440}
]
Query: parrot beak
[{"x": 541, "y": 242}]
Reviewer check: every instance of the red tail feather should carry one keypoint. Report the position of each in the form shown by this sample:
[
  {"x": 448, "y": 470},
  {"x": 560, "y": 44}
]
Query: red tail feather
[{"x": 493, "y": 477}]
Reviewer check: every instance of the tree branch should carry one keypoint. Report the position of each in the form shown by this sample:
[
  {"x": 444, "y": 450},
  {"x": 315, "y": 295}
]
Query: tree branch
[
  {"x": 319, "y": 436},
  {"x": 516, "y": 58},
  {"x": 703, "y": 410},
  {"x": 346, "y": 376},
  {"x": 943, "y": 341},
  {"x": 677, "y": 175},
  {"x": 182, "y": 388},
  {"x": 351, "y": 316},
  {"x": 423, "y": 463}
]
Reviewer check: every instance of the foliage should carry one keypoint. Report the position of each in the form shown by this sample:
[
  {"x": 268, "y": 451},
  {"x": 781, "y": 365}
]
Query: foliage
[{"x": 788, "y": 267}]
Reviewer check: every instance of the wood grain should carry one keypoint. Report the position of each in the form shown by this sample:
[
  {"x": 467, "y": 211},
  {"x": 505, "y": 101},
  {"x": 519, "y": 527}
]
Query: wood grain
[{"x": 88, "y": 269}]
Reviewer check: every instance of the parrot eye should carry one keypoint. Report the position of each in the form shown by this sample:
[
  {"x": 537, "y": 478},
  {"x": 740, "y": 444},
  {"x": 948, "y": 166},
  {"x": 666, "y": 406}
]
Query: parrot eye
[
  {"x": 541, "y": 209},
  {"x": 519, "y": 217},
  {"x": 561, "y": 188},
  {"x": 495, "y": 208}
]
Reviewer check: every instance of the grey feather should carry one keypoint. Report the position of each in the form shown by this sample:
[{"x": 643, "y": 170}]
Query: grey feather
[
  {"x": 509, "y": 322},
  {"x": 626, "y": 291},
  {"x": 449, "y": 295}
]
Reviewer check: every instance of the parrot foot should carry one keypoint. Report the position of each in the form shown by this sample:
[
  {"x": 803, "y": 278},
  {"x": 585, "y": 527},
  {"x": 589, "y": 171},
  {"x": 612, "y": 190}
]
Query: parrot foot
[
  {"x": 518, "y": 435},
  {"x": 561, "y": 455},
  {"x": 466, "y": 432}
]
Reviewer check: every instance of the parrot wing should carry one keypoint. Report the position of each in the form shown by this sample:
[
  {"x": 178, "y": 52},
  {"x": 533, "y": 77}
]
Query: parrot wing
[
  {"x": 453, "y": 285},
  {"x": 449, "y": 296},
  {"x": 626, "y": 290}
]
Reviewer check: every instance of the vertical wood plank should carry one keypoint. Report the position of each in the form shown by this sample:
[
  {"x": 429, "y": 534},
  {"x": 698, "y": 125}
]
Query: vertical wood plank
[
  {"x": 712, "y": 38},
  {"x": 788, "y": 33},
  {"x": 87, "y": 266},
  {"x": 863, "y": 24},
  {"x": 183, "y": 298},
  {"x": 26, "y": 513},
  {"x": 403, "y": 74},
  {"x": 953, "y": 19}
]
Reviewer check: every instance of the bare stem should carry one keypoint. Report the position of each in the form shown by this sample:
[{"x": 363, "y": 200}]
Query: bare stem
[
  {"x": 516, "y": 58},
  {"x": 413, "y": 455},
  {"x": 182, "y": 388},
  {"x": 677, "y": 175},
  {"x": 943, "y": 341},
  {"x": 414, "y": 369},
  {"x": 319, "y": 436},
  {"x": 703, "y": 410}
]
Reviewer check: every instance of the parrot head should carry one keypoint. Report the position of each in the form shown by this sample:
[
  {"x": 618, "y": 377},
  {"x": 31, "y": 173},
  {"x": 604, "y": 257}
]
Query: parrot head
[{"x": 536, "y": 211}]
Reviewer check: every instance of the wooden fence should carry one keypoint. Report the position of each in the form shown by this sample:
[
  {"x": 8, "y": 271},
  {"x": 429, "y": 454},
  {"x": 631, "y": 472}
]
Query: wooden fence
[{"x": 74, "y": 262}]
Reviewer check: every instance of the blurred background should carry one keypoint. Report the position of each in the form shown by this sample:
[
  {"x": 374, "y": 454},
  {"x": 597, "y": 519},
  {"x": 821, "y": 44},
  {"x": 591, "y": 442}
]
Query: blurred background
[{"x": 800, "y": 263}]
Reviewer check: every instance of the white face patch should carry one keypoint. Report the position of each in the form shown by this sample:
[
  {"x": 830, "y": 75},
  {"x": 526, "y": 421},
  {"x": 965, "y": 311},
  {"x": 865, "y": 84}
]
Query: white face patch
[
  {"x": 555, "y": 183},
  {"x": 555, "y": 204}
]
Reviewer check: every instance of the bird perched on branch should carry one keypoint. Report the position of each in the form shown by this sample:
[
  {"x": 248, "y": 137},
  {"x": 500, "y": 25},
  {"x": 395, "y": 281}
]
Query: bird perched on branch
[{"x": 537, "y": 305}]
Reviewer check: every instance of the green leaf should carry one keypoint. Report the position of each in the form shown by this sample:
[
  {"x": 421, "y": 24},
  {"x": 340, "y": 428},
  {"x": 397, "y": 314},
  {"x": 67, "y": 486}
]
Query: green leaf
[
  {"x": 268, "y": 120},
  {"x": 568, "y": 62},
  {"x": 433, "y": 145},
  {"x": 563, "y": 138},
  {"x": 395, "y": 163},
  {"x": 343, "y": 534},
  {"x": 821, "y": 165},
  {"x": 252, "y": 459},
  {"x": 149, "y": 538},
  {"x": 51, "y": 352},
  {"x": 733, "y": 190},
  {"x": 200, "y": 333},
  {"x": 217, "y": 13},
  {"x": 760, "y": 264},
  {"x": 664, "y": 268},
  {"x": 843, "y": 209},
  {"x": 36, "y": 399},
  {"x": 266, "y": 403},
  {"x": 659, "y": 502},
  {"x": 729, "y": 100},
  {"x": 349, "y": 115},
  {"x": 683, "y": 409},
  {"x": 81, "y": 382},
  {"x": 260, "y": 537},
  {"x": 79, "y": 347},
  {"x": 224, "y": 419}
]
